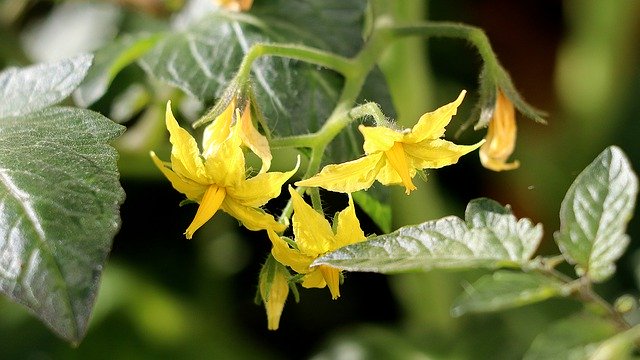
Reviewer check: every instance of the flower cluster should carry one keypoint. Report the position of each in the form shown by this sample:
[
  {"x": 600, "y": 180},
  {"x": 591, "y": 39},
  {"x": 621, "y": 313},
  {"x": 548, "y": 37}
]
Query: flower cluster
[{"x": 215, "y": 177}]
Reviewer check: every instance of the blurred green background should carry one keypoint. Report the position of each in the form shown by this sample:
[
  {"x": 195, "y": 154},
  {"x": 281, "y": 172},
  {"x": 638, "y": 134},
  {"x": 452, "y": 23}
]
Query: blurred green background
[{"x": 165, "y": 297}]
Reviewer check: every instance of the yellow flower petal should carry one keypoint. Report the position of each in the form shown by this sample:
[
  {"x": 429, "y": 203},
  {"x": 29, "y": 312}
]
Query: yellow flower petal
[
  {"x": 218, "y": 131},
  {"x": 313, "y": 279},
  {"x": 378, "y": 138},
  {"x": 288, "y": 256},
  {"x": 252, "y": 218},
  {"x": 227, "y": 167},
  {"x": 254, "y": 140},
  {"x": 275, "y": 299},
  {"x": 434, "y": 154},
  {"x": 347, "y": 177},
  {"x": 191, "y": 189},
  {"x": 389, "y": 176},
  {"x": 501, "y": 137},
  {"x": 185, "y": 155},
  {"x": 261, "y": 188},
  {"x": 312, "y": 231},
  {"x": 348, "y": 229},
  {"x": 397, "y": 159},
  {"x": 432, "y": 125},
  {"x": 209, "y": 205},
  {"x": 332, "y": 278}
]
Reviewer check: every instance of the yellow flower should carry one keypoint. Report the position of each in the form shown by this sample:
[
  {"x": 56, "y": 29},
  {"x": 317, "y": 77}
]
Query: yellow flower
[
  {"x": 275, "y": 297},
  {"x": 501, "y": 137},
  {"x": 221, "y": 127},
  {"x": 235, "y": 5},
  {"x": 216, "y": 179},
  {"x": 313, "y": 238},
  {"x": 393, "y": 157}
]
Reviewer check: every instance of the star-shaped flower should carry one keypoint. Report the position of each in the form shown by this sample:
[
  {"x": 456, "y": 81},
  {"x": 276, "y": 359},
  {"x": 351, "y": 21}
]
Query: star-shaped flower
[
  {"x": 501, "y": 137},
  {"x": 314, "y": 237},
  {"x": 394, "y": 156},
  {"x": 216, "y": 178}
]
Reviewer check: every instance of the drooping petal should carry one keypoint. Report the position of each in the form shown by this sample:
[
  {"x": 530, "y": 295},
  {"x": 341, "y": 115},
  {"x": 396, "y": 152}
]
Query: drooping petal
[
  {"x": 434, "y": 154},
  {"x": 332, "y": 278},
  {"x": 399, "y": 162},
  {"x": 255, "y": 141},
  {"x": 501, "y": 137},
  {"x": 378, "y": 138},
  {"x": 191, "y": 189},
  {"x": 313, "y": 279},
  {"x": 347, "y": 177},
  {"x": 185, "y": 155},
  {"x": 432, "y": 125},
  {"x": 209, "y": 205},
  {"x": 287, "y": 256},
  {"x": 218, "y": 131},
  {"x": 226, "y": 167},
  {"x": 254, "y": 219},
  {"x": 311, "y": 230},
  {"x": 261, "y": 188},
  {"x": 348, "y": 229}
]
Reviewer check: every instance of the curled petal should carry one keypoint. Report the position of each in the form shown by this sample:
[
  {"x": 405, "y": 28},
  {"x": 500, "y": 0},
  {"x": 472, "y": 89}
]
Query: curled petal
[
  {"x": 255, "y": 141},
  {"x": 218, "y": 131},
  {"x": 501, "y": 137},
  {"x": 288, "y": 256},
  {"x": 191, "y": 189},
  {"x": 378, "y": 138},
  {"x": 347, "y": 177},
  {"x": 261, "y": 188},
  {"x": 185, "y": 155},
  {"x": 252, "y": 218},
  {"x": 313, "y": 279},
  {"x": 332, "y": 278},
  {"x": 348, "y": 229},
  {"x": 432, "y": 124},
  {"x": 209, "y": 205},
  {"x": 434, "y": 154},
  {"x": 312, "y": 231}
]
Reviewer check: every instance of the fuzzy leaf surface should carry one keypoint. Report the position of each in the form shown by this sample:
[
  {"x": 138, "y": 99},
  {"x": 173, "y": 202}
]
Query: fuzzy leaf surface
[
  {"x": 28, "y": 89},
  {"x": 490, "y": 236},
  {"x": 59, "y": 211},
  {"x": 595, "y": 212}
]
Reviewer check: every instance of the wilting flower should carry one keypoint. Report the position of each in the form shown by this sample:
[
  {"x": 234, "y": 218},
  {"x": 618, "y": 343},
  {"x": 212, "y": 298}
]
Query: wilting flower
[
  {"x": 501, "y": 137},
  {"x": 235, "y": 5},
  {"x": 220, "y": 129},
  {"x": 314, "y": 237},
  {"x": 394, "y": 156},
  {"x": 216, "y": 179},
  {"x": 274, "y": 295}
]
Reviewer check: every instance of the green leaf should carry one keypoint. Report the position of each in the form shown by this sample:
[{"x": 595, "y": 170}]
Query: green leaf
[
  {"x": 109, "y": 61},
  {"x": 595, "y": 212},
  {"x": 59, "y": 212},
  {"x": 295, "y": 97},
  {"x": 506, "y": 289},
  {"x": 24, "y": 90},
  {"x": 576, "y": 337},
  {"x": 490, "y": 237}
]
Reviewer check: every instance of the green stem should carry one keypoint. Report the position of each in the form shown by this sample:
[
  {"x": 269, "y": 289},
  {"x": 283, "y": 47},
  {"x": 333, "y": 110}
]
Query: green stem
[
  {"x": 472, "y": 34},
  {"x": 297, "y": 52},
  {"x": 583, "y": 291}
]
